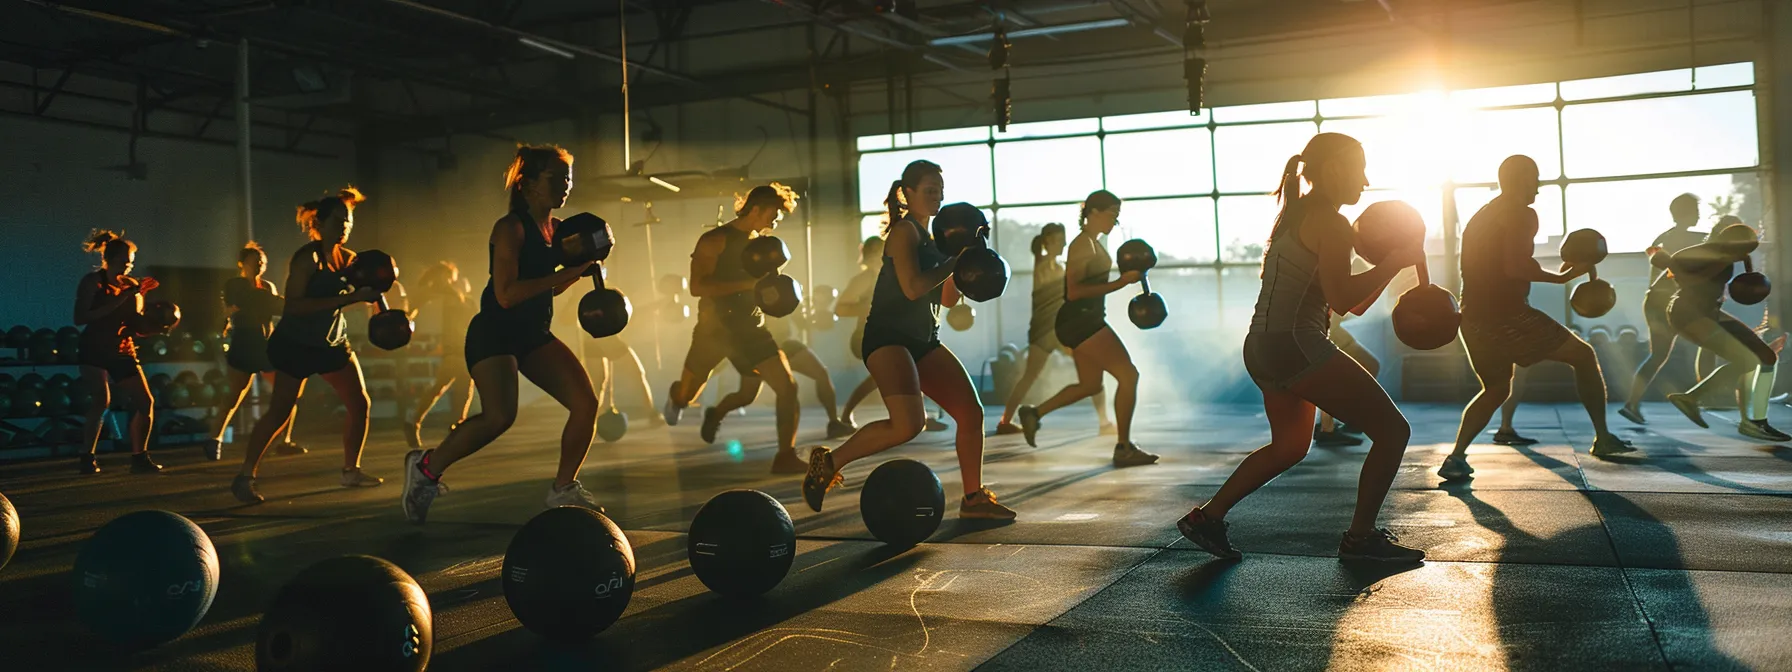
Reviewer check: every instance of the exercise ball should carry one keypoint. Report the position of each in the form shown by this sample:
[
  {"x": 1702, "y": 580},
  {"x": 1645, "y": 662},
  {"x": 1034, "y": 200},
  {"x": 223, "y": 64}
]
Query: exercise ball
[
  {"x": 569, "y": 573},
  {"x": 145, "y": 578},
  {"x": 741, "y": 543},
  {"x": 355, "y": 612},
  {"x": 902, "y": 502},
  {"x": 9, "y": 531}
]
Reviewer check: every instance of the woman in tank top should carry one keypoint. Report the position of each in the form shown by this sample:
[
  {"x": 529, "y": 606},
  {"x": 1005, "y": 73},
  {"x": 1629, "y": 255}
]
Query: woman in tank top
[
  {"x": 902, "y": 350},
  {"x": 444, "y": 293},
  {"x": 1042, "y": 334},
  {"x": 311, "y": 339},
  {"x": 511, "y": 336},
  {"x": 106, "y": 303},
  {"x": 1306, "y": 274},
  {"x": 250, "y": 304}
]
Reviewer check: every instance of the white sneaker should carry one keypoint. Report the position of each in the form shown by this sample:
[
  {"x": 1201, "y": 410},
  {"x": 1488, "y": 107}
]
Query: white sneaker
[
  {"x": 1455, "y": 468},
  {"x": 419, "y": 492},
  {"x": 572, "y": 494},
  {"x": 672, "y": 411}
]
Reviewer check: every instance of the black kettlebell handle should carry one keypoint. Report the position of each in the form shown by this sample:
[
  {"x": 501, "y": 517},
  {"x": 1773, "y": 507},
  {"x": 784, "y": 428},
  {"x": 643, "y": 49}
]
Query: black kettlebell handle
[
  {"x": 381, "y": 302},
  {"x": 1144, "y": 284},
  {"x": 1748, "y": 264}
]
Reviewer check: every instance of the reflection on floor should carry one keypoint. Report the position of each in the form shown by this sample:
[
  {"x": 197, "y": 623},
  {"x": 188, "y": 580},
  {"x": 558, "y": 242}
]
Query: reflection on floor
[{"x": 1550, "y": 558}]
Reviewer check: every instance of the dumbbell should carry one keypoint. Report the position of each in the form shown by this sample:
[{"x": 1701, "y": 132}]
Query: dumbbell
[
  {"x": 961, "y": 230},
  {"x": 1147, "y": 310},
  {"x": 1595, "y": 297},
  {"x": 776, "y": 293},
  {"x": 43, "y": 346},
  {"x": 389, "y": 329},
  {"x": 586, "y": 237}
]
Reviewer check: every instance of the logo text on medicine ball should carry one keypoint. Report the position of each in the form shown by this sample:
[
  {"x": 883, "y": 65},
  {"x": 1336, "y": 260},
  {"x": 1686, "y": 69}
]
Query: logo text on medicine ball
[
  {"x": 184, "y": 587},
  {"x": 779, "y": 551},
  {"x": 604, "y": 589}
]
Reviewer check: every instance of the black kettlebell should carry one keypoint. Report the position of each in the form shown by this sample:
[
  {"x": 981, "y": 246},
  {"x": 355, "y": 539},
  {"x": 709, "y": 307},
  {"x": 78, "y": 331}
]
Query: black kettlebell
[
  {"x": 1147, "y": 310},
  {"x": 1595, "y": 297},
  {"x": 778, "y": 295},
  {"x": 1749, "y": 287},
  {"x": 388, "y": 329},
  {"x": 603, "y": 311},
  {"x": 612, "y": 425}
]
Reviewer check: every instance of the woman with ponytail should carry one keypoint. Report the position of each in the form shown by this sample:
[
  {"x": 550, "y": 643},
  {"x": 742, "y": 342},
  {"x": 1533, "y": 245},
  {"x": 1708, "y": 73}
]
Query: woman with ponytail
[
  {"x": 1081, "y": 325},
  {"x": 311, "y": 339},
  {"x": 106, "y": 303},
  {"x": 902, "y": 350},
  {"x": 1306, "y": 275},
  {"x": 510, "y": 336},
  {"x": 1042, "y": 335},
  {"x": 250, "y": 304}
]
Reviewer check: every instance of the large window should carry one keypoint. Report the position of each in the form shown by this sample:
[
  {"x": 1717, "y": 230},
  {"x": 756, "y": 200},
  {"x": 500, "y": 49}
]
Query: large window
[{"x": 1612, "y": 151}]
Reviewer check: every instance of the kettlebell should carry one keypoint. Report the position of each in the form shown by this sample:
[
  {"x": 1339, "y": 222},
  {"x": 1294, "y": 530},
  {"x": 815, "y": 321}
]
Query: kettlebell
[
  {"x": 1147, "y": 310},
  {"x": 1426, "y": 318}
]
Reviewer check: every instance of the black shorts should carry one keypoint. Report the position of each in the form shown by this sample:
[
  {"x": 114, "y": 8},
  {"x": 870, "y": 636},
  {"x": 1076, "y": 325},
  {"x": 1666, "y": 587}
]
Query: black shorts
[
  {"x": 875, "y": 339},
  {"x": 743, "y": 346},
  {"x": 248, "y": 354},
  {"x": 793, "y": 347},
  {"x": 115, "y": 364},
  {"x": 1278, "y": 360},
  {"x": 1523, "y": 336},
  {"x": 305, "y": 361},
  {"x": 489, "y": 337},
  {"x": 1073, "y": 331}
]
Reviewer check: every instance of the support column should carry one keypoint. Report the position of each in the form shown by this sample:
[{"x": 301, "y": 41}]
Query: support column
[
  {"x": 243, "y": 139},
  {"x": 1772, "y": 71}
]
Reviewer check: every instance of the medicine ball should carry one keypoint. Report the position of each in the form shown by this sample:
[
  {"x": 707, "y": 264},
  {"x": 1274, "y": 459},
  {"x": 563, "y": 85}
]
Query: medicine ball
[
  {"x": 9, "y": 531},
  {"x": 902, "y": 502},
  {"x": 145, "y": 578},
  {"x": 741, "y": 543},
  {"x": 355, "y": 612},
  {"x": 569, "y": 573},
  {"x": 612, "y": 425}
]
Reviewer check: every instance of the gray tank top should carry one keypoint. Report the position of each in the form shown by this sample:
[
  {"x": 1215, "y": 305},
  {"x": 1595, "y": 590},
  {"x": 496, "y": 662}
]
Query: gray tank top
[
  {"x": 1048, "y": 293},
  {"x": 1292, "y": 298}
]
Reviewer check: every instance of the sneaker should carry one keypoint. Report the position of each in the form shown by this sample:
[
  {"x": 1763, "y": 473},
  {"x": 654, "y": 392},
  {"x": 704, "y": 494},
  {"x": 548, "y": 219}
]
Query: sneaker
[
  {"x": 1608, "y": 444},
  {"x": 1129, "y": 455},
  {"x": 87, "y": 464},
  {"x": 982, "y": 505},
  {"x": 712, "y": 423},
  {"x": 142, "y": 464},
  {"x": 1513, "y": 438},
  {"x": 572, "y": 494},
  {"x": 786, "y": 462},
  {"x": 1378, "y": 546},
  {"x": 1107, "y": 429},
  {"x": 1334, "y": 439},
  {"x": 1207, "y": 534},
  {"x": 419, "y": 489},
  {"x": 1689, "y": 407},
  {"x": 1007, "y": 428},
  {"x": 1347, "y": 428},
  {"x": 289, "y": 448},
  {"x": 935, "y": 425},
  {"x": 1455, "y": 468},
  {"x": 355, "y": 478},
  {"x": 671, "y": 411},
  {"x": 1759, "y": 429},
  {"x": 821, "y": 478},
  {"x": 1634, "y": 415},
  {"x": 212, "y": 450},
  {"x": 1029, "y": 423},
  {"x": 244, "y": 489},
  {"x": 840, "y": 430}
]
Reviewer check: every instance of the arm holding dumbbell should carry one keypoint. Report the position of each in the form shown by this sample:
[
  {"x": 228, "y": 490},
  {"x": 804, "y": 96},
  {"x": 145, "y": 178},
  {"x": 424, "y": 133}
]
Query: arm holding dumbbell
[
  {"x": 1078, "y": 261},
  {"x": 703, "y": 269},
  {"x": 1521, "y": 265},
  {"x": 509, "y": 290},
  {"x": 915, "y": 282},
  {"x": 1333, "y": 240},
  {"x": 299, "y": 275},
  {"x": 949, "y": 295},
  {"x": 90, "y": 307}
]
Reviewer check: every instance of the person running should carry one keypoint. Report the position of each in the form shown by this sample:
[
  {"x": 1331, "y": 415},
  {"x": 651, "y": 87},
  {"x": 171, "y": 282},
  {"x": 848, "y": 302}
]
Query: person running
[
  {"x": 444, "y": 292},
  {"x": 1306, "y": 272},
  {"x": 1081, "y": 325},
  {"x": 804, "y": 362},
  {"x": 1042, "y": 335},
  {"x": 108, "y": 301},
  {"x": 1703, "y": 272},
  {"x": 611, "y": 357},
  {"x": 902, "y": 350},
  {"x": 1501, "y": 330},
  {"x": 731, "y": 326},
  {"x": 250, "y": 304},
  {"x": 311, "y": 339},
  {"x": 512, "y": 335},
  {"x": 1684, "y": 210}
]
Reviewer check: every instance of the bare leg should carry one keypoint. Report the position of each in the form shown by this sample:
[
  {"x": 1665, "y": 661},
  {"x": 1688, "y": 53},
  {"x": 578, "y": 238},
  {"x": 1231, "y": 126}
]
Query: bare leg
[
  {"x": 496, "y": 380},
  {"x": 286, "y": 393},
  {"x": 239, "y": 390},
  {"x": 353, "y": 393},
  {"x": 555, "y": 370},
  {"x": 95, "y": 379},
  {"x": 806, "y": 363},
  {"x": 1036, "y": 360},
  {"x": 944, "y": 380}
]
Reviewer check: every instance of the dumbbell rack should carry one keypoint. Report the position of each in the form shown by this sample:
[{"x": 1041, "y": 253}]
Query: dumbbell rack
[{"x": 394, "y": 377}]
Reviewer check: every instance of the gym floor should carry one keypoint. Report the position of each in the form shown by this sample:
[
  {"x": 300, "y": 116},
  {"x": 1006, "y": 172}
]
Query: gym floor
[{"x": 1549, "y": 559}]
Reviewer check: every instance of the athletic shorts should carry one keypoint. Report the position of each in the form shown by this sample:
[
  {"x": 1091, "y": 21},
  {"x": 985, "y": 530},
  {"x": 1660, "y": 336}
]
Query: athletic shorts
[
  {"x": 1735, "y": 329},
  {"x": 488, "y": 337},
  {"x": 743, "y": 346},
  {"x": 248, "y": 354},
  {"x": 1073, "y": 332},
  {"x": 1523, "y": 336},
  {"x": 916, "y": 348},
  {"x": 305, "y": 361},
  {"x": 1278, "y": 360},
  {"x": 115, "y": 364},
  {"x": 1655, "y": 312},
  {"x": 793, "y": 347}
]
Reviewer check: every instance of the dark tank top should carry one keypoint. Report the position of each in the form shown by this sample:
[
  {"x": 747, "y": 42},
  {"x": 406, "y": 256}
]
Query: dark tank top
[
  {"x": 323, "y": 328},
  {"x": 892, "y": 311},
  {"x": 1092, "y": 307},
  {"x": 737, "y": 309},
  {"x": 1487, "y": 289},
  {"x": 534, "y": 259},
  {"x": 111, "y": 332},
  {"x": 255, "y": 307}
]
